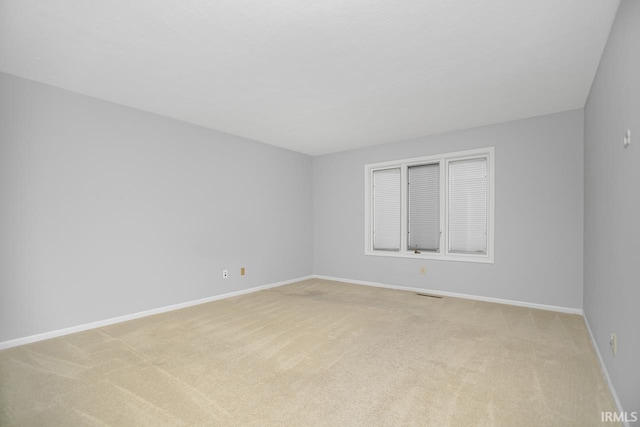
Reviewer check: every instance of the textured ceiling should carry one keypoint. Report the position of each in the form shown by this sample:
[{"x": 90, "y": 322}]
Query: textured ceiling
[{"x": 310, "y": 75}]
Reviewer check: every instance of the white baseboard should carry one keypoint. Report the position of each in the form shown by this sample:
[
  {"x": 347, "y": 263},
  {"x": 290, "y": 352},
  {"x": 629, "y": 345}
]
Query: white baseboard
[
  {"x": 604, "y": 369},
  {"x": 111, "y": 321},
  {"x": 560, "y": 309}
]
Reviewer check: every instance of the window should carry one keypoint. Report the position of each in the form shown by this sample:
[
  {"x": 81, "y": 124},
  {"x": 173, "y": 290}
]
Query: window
[
  {"x": 386, "y": 209},
  {"x": 436, "y": 207},
  {"x": 423, "y": 225}
]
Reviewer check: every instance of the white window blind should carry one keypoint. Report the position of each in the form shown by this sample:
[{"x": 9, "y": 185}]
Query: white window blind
[
  {"x": 468, "y": 206},
  {"x": 423, "y": 226},
  {"x": 386, "y": 209}
]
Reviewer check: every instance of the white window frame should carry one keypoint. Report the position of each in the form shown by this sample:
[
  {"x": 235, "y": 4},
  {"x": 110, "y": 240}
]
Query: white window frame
[{"x": 443, "y": 160}]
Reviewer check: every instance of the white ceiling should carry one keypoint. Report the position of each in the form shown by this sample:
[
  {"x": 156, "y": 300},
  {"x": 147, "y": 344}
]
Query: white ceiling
[{"x": 315, "y": 76}]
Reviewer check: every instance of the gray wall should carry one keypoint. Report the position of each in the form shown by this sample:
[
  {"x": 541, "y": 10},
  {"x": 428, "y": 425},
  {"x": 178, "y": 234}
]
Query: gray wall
[
  {"x": 612, "y": 205},
  {"x": 538, "y": 214},
  {"x": 106, "y": 210}
]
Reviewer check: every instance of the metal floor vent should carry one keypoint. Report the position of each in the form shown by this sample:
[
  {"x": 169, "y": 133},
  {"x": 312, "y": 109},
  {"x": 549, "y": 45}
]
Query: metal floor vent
[{"x": 428, "y": 295}]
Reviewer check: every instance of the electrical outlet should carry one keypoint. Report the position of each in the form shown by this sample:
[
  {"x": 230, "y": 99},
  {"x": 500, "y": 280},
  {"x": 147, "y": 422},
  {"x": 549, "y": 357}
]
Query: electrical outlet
[
  {"x": 423, "y": 270},
  {"x": 627, "y": 139},
  {"x": 242, "y": 271},
  {"x": 614, "y": 343},
  {"x": 225, "y": 274}
]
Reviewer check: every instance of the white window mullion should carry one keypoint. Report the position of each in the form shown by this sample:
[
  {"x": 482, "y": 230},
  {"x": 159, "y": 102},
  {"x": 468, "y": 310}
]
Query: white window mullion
[
  {"x": 443, "y": 205},
  {"x": 490, "y": 203},
  {"x": 403, "y": 208}
]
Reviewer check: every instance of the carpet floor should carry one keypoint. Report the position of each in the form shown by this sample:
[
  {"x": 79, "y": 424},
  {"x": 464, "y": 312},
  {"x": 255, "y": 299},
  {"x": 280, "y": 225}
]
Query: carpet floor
[{"x": 314, "y": 353}]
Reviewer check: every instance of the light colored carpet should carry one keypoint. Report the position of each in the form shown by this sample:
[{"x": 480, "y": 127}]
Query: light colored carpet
[{"x": 314, "y": 353}]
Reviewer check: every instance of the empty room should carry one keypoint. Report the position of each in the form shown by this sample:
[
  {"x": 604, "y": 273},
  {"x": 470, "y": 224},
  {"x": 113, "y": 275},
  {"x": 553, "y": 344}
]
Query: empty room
[{"x": 319, "y": 213}]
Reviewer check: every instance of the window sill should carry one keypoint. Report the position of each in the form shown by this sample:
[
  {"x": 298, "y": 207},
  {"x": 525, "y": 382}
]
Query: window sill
[{"x": 483, "y": 259}]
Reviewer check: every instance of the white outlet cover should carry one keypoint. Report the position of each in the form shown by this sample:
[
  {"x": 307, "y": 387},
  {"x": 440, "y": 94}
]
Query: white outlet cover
[
  {"x": 627, "y": 138},
  {"x": 614, "y": 344}
]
